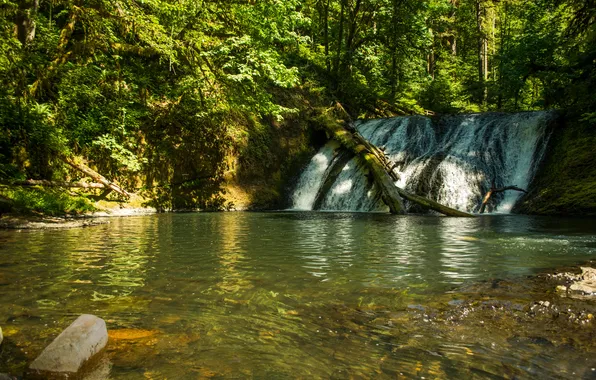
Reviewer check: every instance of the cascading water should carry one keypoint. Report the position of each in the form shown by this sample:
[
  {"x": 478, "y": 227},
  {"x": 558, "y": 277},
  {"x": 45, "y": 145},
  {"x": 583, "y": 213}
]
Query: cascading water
[
  {"x": 454, "y": 161},
  {"x": 312, "y": 179}
]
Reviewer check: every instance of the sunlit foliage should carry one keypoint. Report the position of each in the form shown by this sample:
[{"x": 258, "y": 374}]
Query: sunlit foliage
[{"x": 158, "y": 93}]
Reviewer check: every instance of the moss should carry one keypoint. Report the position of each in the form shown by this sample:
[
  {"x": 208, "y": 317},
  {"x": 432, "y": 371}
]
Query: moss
[
  {"x": 272, "y": 155},
  {"x": 566, "y": 181},
  {"x": 50, "y": 202}
]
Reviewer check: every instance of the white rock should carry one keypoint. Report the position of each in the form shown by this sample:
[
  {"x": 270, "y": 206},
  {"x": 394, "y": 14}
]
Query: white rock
[
  {"x": 585, "y": 287},
  {"x": 588, "y": 273},
  {"x": 66, "y": 356}
]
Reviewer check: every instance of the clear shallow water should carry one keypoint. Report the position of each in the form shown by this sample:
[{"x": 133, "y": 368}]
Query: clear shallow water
[{"x": 286, "y": 295}]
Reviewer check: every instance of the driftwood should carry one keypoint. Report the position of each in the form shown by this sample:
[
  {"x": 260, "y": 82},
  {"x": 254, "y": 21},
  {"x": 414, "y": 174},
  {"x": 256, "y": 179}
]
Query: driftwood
[
  {"x": 369, "y": 156},
  {"x": 97, "y": 177},
  {"x": 46, "y": 183},
  {"x": 494, "y": 190}
]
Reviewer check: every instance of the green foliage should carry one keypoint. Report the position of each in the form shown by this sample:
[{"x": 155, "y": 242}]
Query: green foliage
[
  {"x": 159, "y": 94},
  {"x": 47, "y": 202}
]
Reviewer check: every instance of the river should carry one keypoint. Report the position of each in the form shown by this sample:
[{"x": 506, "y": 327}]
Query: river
[{"x": 296, "y": 294}]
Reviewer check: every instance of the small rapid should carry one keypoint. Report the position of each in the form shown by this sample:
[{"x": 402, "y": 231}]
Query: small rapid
[{"x": 454, "y": 160}]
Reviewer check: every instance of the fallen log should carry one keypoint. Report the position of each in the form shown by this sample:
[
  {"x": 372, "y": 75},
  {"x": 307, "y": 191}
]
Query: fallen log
[
  {"x": 430, "y": 204},
  {"x": 379, "y": 154},
  {"x": 384, "y": 182},
  {"x": 494, "y": 190},
  {"x": 391, "y": 194},
  {"x": 96, "y": 177},
  {"x": 46, "y": 183}
]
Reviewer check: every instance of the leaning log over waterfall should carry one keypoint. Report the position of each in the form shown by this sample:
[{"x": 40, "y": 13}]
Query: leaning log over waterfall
[
  {"x": 97, "y": 177},
  {"x": 388, "y": 166},
  {"x": 374, "y": 150},
  {"x": 391, "y": 194},
  {"x": 494, "y": 190}
]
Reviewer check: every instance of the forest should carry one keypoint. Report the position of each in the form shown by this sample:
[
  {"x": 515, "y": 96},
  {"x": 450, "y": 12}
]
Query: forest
[{"x": 174, "y": 99}]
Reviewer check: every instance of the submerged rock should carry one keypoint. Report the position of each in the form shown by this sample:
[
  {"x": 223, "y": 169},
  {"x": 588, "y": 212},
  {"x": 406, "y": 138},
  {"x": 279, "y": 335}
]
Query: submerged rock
[
  {"x": 582, "y": 284},
  {"x": 588, "y": 289},
  {"x": 72, "y": 352}
]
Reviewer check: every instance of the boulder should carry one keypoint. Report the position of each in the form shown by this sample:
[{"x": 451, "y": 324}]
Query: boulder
[
  {"x": 73, "y": 352},
  {"x": 1, "y": 336}
]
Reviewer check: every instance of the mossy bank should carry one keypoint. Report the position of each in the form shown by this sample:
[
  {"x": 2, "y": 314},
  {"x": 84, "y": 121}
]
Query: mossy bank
[{"x": 566, "y": 181}]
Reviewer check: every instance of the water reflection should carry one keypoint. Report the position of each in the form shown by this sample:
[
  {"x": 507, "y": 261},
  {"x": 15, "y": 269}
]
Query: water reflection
[
  {"x": 459, "y": 249},
  {"x": 233, "y": 231}
]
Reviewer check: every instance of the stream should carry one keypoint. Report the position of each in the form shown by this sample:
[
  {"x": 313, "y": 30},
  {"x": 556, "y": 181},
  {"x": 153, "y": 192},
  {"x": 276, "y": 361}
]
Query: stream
[{"x": 306, "y": 295}]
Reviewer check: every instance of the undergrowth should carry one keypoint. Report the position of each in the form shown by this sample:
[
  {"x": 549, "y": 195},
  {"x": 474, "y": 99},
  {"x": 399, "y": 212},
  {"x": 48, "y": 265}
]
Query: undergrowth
[{"x": 51, "y": 202}]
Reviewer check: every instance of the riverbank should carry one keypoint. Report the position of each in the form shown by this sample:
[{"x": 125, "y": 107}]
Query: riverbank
[
  {"x": 29, "y": 222},
  {"x": 40, "y": 222},
  {"x": 47, "y": 208}
]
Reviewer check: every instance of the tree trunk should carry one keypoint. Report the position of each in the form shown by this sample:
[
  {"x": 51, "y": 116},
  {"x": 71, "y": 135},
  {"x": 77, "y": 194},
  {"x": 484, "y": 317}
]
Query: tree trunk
[
  {"x": 97, "y": 177},
  {"x": 430, "y": 62},
  {"x": 492, "y": 191},
  {"x": 382, "y": 179},
  {"x": 347, "y": 59},
  {"x": 430, "y": 204},
  {"x": 482, "y": 51},
  {"x": 453, "y": 15},
  {"x": 340, "y": 39},
  {"x": 393, "y": 75},
  {"x": 503, "y": 50},
  {"x": 326, "y": 36},
  {"x": 25, "y": 21}
]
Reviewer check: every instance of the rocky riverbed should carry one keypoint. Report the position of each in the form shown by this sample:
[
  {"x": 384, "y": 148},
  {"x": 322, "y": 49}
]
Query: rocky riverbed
[{"x": 494, "y": 328}]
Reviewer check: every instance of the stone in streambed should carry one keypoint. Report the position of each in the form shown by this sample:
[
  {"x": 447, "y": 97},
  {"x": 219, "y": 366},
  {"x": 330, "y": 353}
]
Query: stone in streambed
[
  {"x": 586, "y": 282},
  {"x": 584, "y": 287},
  {"x": 72, "y": 352}
]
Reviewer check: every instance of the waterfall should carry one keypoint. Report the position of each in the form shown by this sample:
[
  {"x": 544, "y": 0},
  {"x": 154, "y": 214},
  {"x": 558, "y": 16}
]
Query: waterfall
[
  {"x": 454, "y": 160},
  {"x": 312, "y": 178}
]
